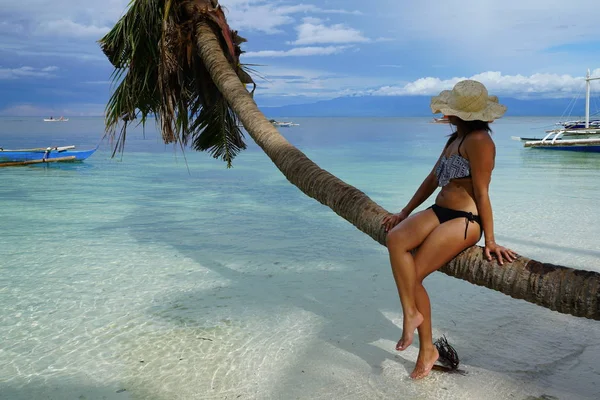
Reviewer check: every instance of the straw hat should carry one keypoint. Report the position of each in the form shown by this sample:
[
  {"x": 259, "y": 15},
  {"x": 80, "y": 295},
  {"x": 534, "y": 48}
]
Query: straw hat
[{"x": 469, "y": 101}]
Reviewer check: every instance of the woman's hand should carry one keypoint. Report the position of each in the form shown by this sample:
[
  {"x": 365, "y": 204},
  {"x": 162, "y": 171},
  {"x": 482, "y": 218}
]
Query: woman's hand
[
  {"x": 392, "y": 220},
  {"x": 501, "y": 253}
]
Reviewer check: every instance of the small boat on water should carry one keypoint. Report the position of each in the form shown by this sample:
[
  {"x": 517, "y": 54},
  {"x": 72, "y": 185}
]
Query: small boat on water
[
  {"x": 528, "y": 139},
  {"x": 579, "y": 124},
  {"x": 283, "y": 124},
  {"x": 572, "y": 135},
  {"x": 52, "y": 119},
  {"x": 584, "y": 145},
  {"x": 443, "y": 120},
  {"x": 10, "y": 158}
]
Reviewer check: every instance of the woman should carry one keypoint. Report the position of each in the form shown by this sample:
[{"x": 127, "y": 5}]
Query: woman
[{"x": 462, "y": 212}]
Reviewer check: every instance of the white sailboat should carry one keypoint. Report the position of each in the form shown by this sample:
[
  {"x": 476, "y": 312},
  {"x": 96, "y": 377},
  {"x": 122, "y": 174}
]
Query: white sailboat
[
  {"x": 52, "y": 119},
  {"x": 573, "y": 135}
]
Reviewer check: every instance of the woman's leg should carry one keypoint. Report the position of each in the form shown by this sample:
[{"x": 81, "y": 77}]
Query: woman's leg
[
  {"x": 441, "y": 246},
  {"x": 406, "y": 236}
]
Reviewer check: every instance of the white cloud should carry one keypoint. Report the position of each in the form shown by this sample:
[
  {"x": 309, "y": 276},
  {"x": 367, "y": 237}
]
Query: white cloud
[
  {"x": 313, "y": 31},
  {"x": 64, "y": 27},
  {"x": 27, "y": 72},
  {"x": 297, "y": 52},
  {"x": 493, "y": 29},
  {"x": 12, "y": 28},
  {"x": 89, "y": 15},
  {"x": 269, "y": 16},
  {"x": 345, "y": 12},
  {"x": 311, "y": 83},
  {"x": 81, "y": 52},
  {"x": 538, "y": 85},
  {"x": 260, "y": 18},
  {"x": 463, "y": 36},
  {"x": 70, "y": 110},
  {"x": 279, "y": 82},
  {"x": 57, "y": 28},
  {"x": 384, "y": 39},
  {"x": 50, "y": 10},
  {"x": 25, "y": 110}
]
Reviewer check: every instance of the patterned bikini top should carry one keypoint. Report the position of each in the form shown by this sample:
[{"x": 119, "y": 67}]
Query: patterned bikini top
[{"x": 453, "y": 167}]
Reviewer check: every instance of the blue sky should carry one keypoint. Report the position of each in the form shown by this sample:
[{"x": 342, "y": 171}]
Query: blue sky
[{"x": 310, "y": 50}]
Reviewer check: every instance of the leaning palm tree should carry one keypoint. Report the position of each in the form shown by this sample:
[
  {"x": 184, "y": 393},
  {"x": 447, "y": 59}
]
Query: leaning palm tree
[{"x": 179, "y": 60}]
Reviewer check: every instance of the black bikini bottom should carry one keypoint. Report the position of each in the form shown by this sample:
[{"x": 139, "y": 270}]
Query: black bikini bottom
[{"x": 446, "y": 214}]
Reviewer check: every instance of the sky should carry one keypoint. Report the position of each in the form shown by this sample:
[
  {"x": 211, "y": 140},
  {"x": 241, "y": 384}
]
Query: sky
[{"x": 308, "y": 50}]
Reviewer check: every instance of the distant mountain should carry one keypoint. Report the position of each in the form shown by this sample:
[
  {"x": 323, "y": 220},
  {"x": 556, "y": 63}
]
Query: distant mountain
[{"x": 411, "y": 106}]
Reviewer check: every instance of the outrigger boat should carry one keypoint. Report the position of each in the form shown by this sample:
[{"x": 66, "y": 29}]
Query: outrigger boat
[
  {"x": 52, "y": 119},
  {"x": 579, "y": 124},
  {"x": 590, "y": 145},
  {"x": 573, "y": 135},
  {"x": 283, "y": 124},
  {"x": 9, "y": 158}
]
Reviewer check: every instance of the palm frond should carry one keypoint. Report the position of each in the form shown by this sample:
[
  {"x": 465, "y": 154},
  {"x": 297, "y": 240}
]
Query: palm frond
[
  {"x": 129, "y": 47},
  {"x": 213, "y": 132},
  {"x": 448, "y": 355},
  {"x": 158, "y": 71}
]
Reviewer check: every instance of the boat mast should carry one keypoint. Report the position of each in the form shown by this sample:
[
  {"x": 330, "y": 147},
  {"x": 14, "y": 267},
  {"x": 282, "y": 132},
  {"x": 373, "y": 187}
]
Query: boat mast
[
  {"x": 588, "y": 79},
  {"x": 587, "y": 99}
]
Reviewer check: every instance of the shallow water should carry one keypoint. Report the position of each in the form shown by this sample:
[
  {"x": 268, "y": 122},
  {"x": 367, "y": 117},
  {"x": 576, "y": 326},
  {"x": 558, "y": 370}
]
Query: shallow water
[{"x": 149, "y": 277}]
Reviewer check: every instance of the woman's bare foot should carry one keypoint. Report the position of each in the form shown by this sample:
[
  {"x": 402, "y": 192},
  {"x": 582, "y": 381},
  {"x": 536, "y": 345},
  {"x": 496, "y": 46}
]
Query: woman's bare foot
[
  {"x": 408, "y": 330},
  {"x": 425, "y": 362}
]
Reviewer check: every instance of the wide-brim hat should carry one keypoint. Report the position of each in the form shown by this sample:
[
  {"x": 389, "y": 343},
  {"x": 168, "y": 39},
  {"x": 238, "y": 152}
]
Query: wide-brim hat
[{"x": 469, "y": 101}]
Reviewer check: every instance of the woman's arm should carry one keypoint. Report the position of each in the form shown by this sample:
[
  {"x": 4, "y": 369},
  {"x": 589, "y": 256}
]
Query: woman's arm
[
  {"x": 428, "y": 186},
  {"x": 423, "y": 192},
  {"x": 481, "y": 151}
]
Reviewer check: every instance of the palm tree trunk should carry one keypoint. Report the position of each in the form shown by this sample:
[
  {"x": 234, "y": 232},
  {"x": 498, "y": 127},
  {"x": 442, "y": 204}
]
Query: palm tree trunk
[{"x": 559, "y": 288}]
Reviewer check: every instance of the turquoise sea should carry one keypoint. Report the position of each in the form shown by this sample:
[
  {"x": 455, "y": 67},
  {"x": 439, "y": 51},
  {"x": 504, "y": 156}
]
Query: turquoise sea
[{"x": 162, "y": 275}]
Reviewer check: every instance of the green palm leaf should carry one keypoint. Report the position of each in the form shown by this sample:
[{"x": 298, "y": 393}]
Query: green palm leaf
[{"x": 158, "y": 72}]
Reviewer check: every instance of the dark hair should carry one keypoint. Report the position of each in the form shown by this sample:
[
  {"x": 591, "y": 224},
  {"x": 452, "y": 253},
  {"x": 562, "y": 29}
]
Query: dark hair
[{"x": 468, "y": 127}]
